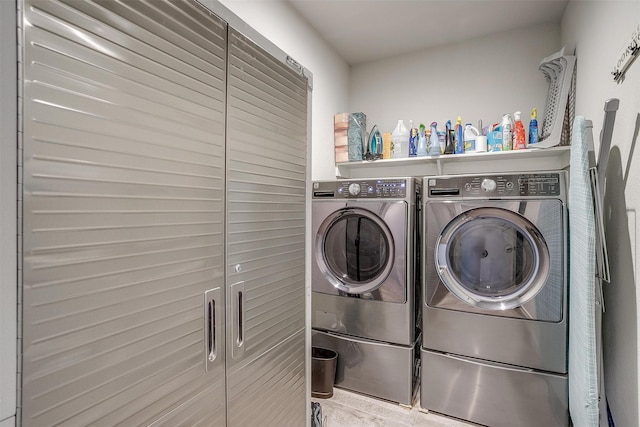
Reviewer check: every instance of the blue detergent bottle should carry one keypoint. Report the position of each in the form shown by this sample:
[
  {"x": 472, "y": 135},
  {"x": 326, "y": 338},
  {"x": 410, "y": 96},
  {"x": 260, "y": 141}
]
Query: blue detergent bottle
[
  {"x": 533, "y": 127},
  {"x": 458, "y": 142},
  {"x": 413, "y": 140}
]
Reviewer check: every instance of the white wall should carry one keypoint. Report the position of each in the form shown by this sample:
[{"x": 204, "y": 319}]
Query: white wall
[
  {"x": 477, "y": 79},
  {"x": 599, "y": 30},
  {"x": 287, "y": 29}
]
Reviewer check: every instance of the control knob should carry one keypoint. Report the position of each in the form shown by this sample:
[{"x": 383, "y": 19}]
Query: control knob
[
  {"x": 488, "y": 185},
  {"x": 354, "y": 189}
]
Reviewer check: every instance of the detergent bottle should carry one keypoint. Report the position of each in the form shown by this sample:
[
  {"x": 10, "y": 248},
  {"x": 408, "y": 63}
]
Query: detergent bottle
[
  {"x": 400, "y": 141},
  {"x": 469, "y": 139},
  {"x": 519, "y": 142},
  {"x": 422, "y": 142},
  {"x": 507, "y": 132},
  {"x": 448, "y": 148},
  {"x": 434, "y": 141},
  {"x": 533, "y": 127},
  {"x": 458, "y": 142},
  {"x": 413, "y": 139}
]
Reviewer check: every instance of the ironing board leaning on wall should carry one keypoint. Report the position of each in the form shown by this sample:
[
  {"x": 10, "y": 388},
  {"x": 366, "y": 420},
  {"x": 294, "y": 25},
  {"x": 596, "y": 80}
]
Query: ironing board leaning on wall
[{"x": 589, "y": 267}]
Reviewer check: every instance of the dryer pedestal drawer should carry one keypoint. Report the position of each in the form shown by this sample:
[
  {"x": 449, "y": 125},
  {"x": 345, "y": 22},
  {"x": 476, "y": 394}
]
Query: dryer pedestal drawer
[
  {"x": 492, "y": 394},
  {"x": 375, "y": 368},
  {"x": 375, "y": 320},
  {"x": 520, "y": 342}
]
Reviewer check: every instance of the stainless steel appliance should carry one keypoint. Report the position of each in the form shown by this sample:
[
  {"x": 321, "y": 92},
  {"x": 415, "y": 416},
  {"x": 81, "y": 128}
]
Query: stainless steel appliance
[
  {"x": 494, "y": 347},
  {"x": 364, "y": 282}
]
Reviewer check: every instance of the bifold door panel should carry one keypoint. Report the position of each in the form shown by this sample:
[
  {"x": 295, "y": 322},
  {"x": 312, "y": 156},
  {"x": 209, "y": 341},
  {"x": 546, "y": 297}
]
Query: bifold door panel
[
  {"x": 266, "y": 158},
  {"x": 124, "y": 136},
  {"x": 266, "y": 192}
]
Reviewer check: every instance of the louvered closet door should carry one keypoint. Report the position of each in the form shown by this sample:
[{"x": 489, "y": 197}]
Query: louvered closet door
[
  {"x": 123, "y": 212},
  {"x": 266, "y": 151}
]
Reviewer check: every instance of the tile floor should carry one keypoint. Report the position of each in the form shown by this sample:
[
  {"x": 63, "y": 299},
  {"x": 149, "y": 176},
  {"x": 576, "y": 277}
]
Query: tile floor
[{"x": 347, "y": 409}]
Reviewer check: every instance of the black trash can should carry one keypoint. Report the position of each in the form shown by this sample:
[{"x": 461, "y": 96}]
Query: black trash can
[{"x": 323, "y": 372}]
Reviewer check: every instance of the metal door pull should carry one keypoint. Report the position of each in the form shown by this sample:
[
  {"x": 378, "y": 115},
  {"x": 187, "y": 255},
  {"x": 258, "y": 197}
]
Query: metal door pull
[{"x": 211, "y": 323}]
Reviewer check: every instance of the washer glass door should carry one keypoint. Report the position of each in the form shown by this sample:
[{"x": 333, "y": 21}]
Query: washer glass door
[
  {"x": 355, "y": 250},
  {"x": 492, "y": 258}
]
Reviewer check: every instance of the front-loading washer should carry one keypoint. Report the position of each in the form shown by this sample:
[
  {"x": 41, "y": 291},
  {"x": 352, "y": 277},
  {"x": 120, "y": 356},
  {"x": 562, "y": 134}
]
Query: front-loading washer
[
  {"x": 494, "y": 348},
  {"x": 364, "y": 282}
]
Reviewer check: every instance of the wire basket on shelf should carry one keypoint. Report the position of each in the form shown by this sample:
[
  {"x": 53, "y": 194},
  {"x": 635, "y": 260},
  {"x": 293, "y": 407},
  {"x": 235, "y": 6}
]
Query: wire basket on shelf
[{"x": 559, "y": 112}]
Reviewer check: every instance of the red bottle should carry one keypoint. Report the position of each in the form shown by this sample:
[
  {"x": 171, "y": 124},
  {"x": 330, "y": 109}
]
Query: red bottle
[{"x": 519, "y": 141}]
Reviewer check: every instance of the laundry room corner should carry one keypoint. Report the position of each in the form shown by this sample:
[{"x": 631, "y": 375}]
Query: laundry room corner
[{"x": 600, "y": 32}]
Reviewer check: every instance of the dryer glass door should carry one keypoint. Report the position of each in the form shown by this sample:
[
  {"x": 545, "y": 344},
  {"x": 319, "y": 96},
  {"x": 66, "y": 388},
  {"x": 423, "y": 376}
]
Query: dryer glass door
[
  {"x": 357, "y": 249},
  {"x": 492, "y": 258}
]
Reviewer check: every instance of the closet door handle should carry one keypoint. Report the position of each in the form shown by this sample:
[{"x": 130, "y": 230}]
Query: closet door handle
[
  {"x": 211, "y": 319},
  {"x": 211, "y": 326},
  {"x": 239, "y": 300},
  {"x": 240, "y": 336}
]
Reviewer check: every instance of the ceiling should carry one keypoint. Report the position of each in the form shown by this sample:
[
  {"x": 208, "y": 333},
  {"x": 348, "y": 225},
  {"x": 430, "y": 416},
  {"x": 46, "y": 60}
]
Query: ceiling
[{"x": 367, "y": 30}]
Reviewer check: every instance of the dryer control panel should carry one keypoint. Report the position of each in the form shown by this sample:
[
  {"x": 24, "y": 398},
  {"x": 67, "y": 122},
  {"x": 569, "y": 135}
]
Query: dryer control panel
[
  {"x": 493, "y": 186},
  {"x": 361, "y": 189}
]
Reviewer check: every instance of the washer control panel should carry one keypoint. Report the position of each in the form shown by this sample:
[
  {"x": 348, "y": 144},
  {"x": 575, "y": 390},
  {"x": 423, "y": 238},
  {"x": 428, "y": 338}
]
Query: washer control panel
[
  {"x": 361, "y": 189},
  {"x": 517, "y": 185}
]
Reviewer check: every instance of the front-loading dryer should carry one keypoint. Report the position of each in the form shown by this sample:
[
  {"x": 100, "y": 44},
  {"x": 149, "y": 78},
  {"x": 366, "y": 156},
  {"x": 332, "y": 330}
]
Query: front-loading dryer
[
  {"x": 364, "y": 281},
  {"x": 495, "y": 298}
]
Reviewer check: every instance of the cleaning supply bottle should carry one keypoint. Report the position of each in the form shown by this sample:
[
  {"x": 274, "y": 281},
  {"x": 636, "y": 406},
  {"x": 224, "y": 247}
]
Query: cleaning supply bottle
[
  {"x": 448, "y": 148},
  {"x": 400, "y": 141},
  {"x": 434, "y": 141},
  {"x": 469, "y": 139},
  {"x": 458, "y": 142},
  {"x": 422, "y": 142},
  {"x": 507, "y": 132},
  {"x": 413, "y": 139},
  {"x": 519, "y": 142},
  {"x": 533, "y": 127}
]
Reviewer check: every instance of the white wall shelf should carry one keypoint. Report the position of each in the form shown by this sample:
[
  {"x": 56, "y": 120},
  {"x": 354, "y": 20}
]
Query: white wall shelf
[{"x": 530, "y": 160}]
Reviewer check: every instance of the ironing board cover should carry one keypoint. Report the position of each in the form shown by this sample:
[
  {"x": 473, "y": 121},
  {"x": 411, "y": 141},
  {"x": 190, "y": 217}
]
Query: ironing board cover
[{"x": 583, "y": 379}]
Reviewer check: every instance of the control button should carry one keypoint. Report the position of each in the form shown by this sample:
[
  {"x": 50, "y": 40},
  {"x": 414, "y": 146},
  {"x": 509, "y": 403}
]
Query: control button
[
  {"x": 354, "y": 189},
  {"x": 509, "y": 185},
  {"x": 488, "y": 185},
  {"x": 467, "y": 186}
]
